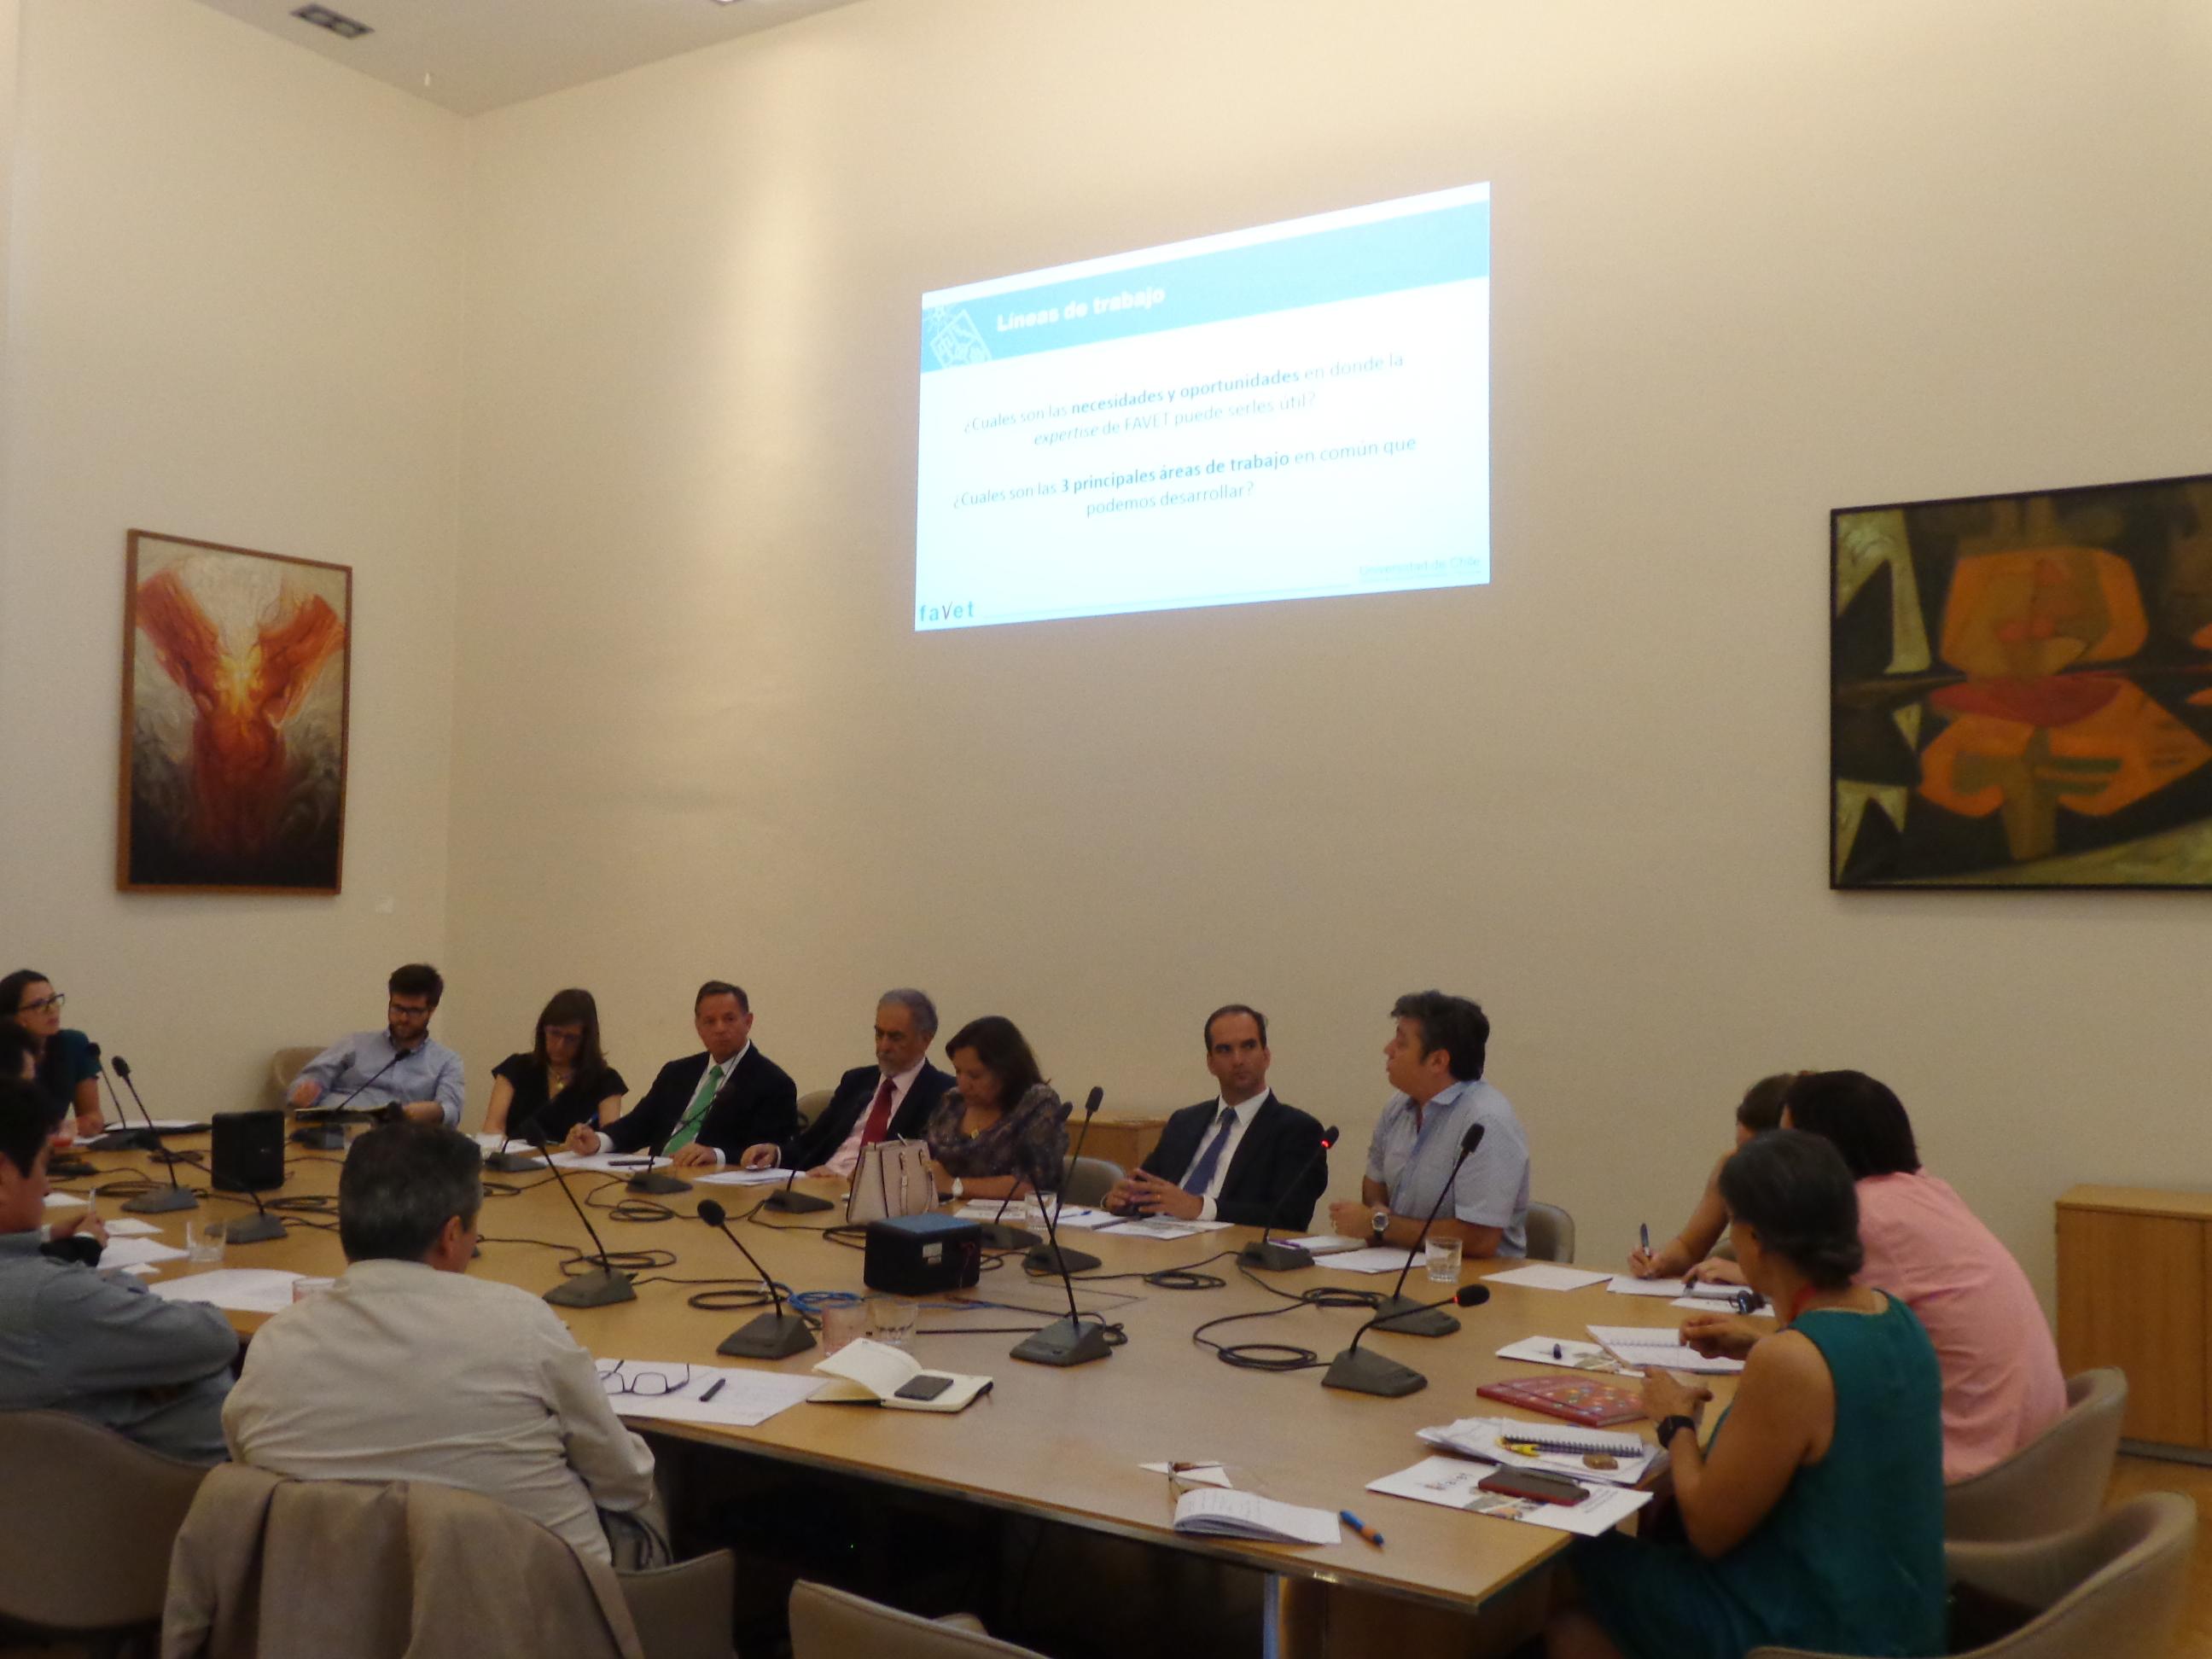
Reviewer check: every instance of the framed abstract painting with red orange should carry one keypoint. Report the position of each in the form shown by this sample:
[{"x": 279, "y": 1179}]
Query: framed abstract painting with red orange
[
  {"x": 236, "y": 666},
  {"x": 2021, "y": 689}
]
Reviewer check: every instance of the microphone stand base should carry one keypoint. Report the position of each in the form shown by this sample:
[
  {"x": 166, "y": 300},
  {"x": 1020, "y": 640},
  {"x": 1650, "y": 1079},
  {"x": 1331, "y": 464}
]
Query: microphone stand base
[
  {"x": 599, "y": 1288},
  {"x": 513, "y": 1162},
  {"x": 772, "y": 1336},
  {"x": 162, "y": 1200},
  {"x": 253, "y": 1230},
  {"x": 1004, "y": 1235},
  {"x": 1274, "y": 1258},
  {"x": 1043, "y": 1260},
  {"x": 69, "y": 1168},
  {"x": 796, "y": 1203},
  {"x": 125, "y": 1141},
  {"x": 1063, "y": 1342},
  {"x": 1402, "y": 1316},
  {"x": 321, "y": 1137},
  {"x": 1361, "y": 1370},
  {"x": 660, "y": 1185}
]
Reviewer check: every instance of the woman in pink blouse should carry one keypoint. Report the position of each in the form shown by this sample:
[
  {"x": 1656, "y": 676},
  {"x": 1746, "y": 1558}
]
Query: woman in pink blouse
[{"x": 2002, "y": 1384}]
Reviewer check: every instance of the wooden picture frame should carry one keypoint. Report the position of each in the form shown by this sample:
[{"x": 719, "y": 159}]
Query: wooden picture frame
[
  {"x": 237, "y": 692},
  {"x": 2020, "y": 689}
]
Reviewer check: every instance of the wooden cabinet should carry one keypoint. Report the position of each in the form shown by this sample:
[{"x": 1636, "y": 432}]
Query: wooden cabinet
[
  {"x": 1118, "y": 1139},
  {"x": 2134, "y": 1267}
]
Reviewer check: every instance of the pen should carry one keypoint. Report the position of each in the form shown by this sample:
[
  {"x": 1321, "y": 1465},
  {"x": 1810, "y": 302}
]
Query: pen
[
  {"x": 713, "y": 1388},
  {"x": 1644, "y": 1232},
  {"x": 1360, "y": 1526},
  {"x": 1557, "y": 1352}
]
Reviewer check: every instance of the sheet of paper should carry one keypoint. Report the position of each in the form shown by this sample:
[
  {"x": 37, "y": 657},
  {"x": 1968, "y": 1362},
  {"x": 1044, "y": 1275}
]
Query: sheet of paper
[
  {"x": 1643, "y": 1347},
  {"x": 64, "y": 1202},
  {"x": 1233, "y": 1514},
  {"x": 242, "y": 1290},
  {"x": 1368, "y": 1260},
  {"x": 621, "y": 1164},
  {"x": 1544, "y": 1276},
  {"x": 1456, "y": 1484},
  {"x": 143, "y": 1270},
  {"x": 1192, "y": 1474},
  {"x": 176, "y": 1124},
  {"x": 1566, "y": 1351},
  {"x": 129, "y": 1226},
  {"x": 1083, "y": 1217},
  {"x": 745, "y": 1399},
  {"x": 1628, "y": 1284},
  {"x": 1709, "y": 1304},
  {"x": 740, "y": 1178},
  {"x": 1497, "y": 1440},
  {"x": 135, "y": 1252},
  {"x": 1324, "y": 1243}
]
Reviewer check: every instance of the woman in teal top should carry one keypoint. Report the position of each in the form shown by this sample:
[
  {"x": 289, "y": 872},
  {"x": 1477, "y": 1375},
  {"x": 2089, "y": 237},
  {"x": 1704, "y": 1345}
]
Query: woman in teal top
[{"x": 1815, "y": 1518}]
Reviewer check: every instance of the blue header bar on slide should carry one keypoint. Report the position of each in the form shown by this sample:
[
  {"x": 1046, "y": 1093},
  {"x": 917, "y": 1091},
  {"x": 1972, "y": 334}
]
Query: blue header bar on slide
[{"x": 1419, "y": 249}]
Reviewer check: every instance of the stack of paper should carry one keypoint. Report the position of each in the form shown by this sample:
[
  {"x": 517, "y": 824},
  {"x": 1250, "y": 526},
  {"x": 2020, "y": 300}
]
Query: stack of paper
[
  {"x": 1624, "y": 1284},
  {"x": 739, "y": 1399},
  {"x": 1561, "y": 1448},
  {"x": 1561, "y": 1350},
  {"x": 1324, "y": 1243},
  {"x": 742, "y": 1178},
  {"x": 1643, "y": 1347},
  {"x": 241, "y": 1289},
  {"x": 1544, "y": 1276},
  {"x": 1457, "y": 1485},
  {"x": 137, "y": 1252},
  {"x": 1373, "y": 1259},
  {"x": 1219, "y": 1513},
  {"x": 64, "y": 1202}
]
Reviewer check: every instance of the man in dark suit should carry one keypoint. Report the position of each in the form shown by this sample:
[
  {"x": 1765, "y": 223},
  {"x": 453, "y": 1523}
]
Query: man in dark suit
[
  {"x": 1245, "y": 1157},
  {"x": 890, "y": 1100},
  {"x": 704, "y": 1108}
]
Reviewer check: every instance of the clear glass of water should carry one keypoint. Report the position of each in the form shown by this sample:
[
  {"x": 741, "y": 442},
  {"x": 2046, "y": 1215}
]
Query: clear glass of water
[
  {"x": 203, "y": 1244},
  {"x": 1444, "y": 1261},
  {"x": 891, "y": 1319},
  {"x": 842, "y": 1322}
]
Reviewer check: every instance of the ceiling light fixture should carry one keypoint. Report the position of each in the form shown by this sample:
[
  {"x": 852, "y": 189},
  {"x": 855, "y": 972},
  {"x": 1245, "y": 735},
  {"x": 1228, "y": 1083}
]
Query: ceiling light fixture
[{"x": 338, "y": 23}]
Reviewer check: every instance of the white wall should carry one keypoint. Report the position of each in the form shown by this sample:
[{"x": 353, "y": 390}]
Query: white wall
[
  {"x": 235, "y": 314},
  {"x": 1752, "y": 262}
]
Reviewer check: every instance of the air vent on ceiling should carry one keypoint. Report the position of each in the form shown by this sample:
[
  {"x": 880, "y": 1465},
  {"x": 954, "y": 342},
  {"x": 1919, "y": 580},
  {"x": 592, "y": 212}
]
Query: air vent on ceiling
[{"x": 338, "y": 23}]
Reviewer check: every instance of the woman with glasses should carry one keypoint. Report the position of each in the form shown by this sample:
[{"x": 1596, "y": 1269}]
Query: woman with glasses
[
  {"x": 563, "y": 1081},
  {"x": 1001, "y": 1131},
  {"x": 67, "y": 1073}
]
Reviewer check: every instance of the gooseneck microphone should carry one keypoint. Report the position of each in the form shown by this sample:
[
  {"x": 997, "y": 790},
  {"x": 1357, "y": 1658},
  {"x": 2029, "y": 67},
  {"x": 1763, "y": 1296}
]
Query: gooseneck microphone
[
  {"x": 156, "y": 1202},
  {"x": 1409, "y": 1318},
  {"x": 122, "y": 1137},
  {"x": 1002, "y": 1234},
  {"x": 775, "y": 1335},
  {"x": 503, "y": 1162},
  {"x": 604, "y": 1285},
  {"x": 660, "y": 1182},
  {"x": 1066, "y": 1341},
  {"x": 257, "y": 1228},
  {"x": 329, "y": 1135},
  {"x": 1046, "y": 1258},
  {"x": 1362, "y": 1370},
  {"x": 792, "y": 1203},
  {"x": 1281, "y": 1258}
]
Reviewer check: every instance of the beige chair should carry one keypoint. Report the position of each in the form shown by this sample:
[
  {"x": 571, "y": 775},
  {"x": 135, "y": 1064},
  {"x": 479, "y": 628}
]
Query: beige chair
[
  {"x": 811, "y": 1105},
  {"x": 682, "y": 1612},
  {"x": 2111, "y": 1589},
  {"x": 2055, "y": 1482},
  {"x": 830, "y": 1623},
  {"x": 85, "y": 1530},
  {"x": 283, "y": 1066},
  {"x": 1551, "y": 1233},
  {"x": 1088, "y": 1180}
]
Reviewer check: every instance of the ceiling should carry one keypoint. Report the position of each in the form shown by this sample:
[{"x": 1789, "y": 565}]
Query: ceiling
[{"x": 480, "y": 54}]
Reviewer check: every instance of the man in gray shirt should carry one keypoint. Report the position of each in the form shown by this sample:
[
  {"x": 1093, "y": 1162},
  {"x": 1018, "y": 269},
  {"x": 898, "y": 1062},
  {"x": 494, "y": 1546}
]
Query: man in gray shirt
[
  {"x": 1434, "y": 1059},
  {"x": 399, "y": 1066},
  {"x": 74, "y": 1339}
]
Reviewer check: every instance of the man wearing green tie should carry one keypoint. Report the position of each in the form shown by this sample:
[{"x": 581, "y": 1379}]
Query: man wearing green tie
[{"x": 706, "y": 1107}]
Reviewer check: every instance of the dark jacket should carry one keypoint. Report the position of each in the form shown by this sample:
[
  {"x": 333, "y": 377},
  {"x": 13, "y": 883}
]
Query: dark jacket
[
  {"x": 1257, "y": 1191},
  {"x": 817, "y": 1143},
  {"x": 758, "y": 1102}
]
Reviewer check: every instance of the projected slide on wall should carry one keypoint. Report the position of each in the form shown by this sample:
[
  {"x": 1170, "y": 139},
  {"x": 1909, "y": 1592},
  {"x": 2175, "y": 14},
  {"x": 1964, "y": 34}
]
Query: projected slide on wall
[{"x": 1291, "y": 412}]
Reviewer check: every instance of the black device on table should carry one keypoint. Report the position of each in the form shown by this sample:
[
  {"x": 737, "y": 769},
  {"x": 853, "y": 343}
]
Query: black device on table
[{"x": 1536, "y": 1484}]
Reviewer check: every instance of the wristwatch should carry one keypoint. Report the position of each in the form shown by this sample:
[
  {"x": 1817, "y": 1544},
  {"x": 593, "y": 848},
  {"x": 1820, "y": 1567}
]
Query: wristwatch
[
  {"x": 1380, "y": 1221},
  {"x": 959, "y": 1189},
  {"x": 1671, "y": 1426}
]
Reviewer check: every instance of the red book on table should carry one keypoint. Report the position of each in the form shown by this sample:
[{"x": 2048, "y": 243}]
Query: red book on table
[{"x": 1576, "y": 1399}]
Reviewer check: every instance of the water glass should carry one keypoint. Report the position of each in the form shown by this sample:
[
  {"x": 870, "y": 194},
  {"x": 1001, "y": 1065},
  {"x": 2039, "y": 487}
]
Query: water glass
[
  {"x": 842, "y": 1322},
  {"x": 891, "y": 1319},
  {"x": 1444, "y": 1261},
  {"x": 303, "y": 1288},
  {"x": 203, "y": 1244}
]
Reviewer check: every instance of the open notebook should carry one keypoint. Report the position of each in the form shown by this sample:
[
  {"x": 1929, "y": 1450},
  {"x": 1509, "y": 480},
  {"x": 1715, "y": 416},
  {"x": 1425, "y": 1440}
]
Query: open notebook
[
  {"x": 1219, "y": 1513},
  {"x": 864, "y": 1373}
]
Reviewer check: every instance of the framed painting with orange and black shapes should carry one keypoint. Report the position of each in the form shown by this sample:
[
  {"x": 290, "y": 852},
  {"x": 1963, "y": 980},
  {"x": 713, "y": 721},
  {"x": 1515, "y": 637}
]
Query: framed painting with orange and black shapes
[
  {"x": 236, "y": 666},
  {"x": 2020, "y": 689}
]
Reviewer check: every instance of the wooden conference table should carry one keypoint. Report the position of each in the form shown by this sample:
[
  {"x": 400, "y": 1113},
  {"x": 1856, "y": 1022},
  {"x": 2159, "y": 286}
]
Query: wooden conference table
[{"x": 1062, "y": 1444}]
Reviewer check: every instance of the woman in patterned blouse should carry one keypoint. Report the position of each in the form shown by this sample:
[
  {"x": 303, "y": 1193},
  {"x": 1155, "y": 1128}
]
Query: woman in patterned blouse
[{"x": 1000, "y": 1129}]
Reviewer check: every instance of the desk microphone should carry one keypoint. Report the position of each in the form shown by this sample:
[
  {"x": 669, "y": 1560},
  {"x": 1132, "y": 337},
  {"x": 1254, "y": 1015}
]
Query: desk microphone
[
  {"x": 503, "y": 1162},
  {"x": 1001, "y": 1235},
  {"x": 1365, "y": 1371},
  {"x": 775, "y": 1335},
  {"x": 1066, "y": 1341},
  {"x": 157, "y": 1202},
  {"x": 330, "y": 1135},
  {"x": 67, "y": 1166},
  {"x": 793, "y": 1203},
  {"x": 1281, "y": 1258},
  {"x": 1410, "y": 1318},
  {"x": 659, "y": 1182},
  {"x": 598, "y": 1289},
  {"x": 1050, "y": 1258},
  {"x": 257, "y": 1228},
  {"x": 122, "y": 1137}
]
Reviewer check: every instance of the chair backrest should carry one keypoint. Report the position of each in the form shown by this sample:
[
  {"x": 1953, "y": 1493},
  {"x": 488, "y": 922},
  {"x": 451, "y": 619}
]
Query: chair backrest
[
  {"x": 2055, "y": 1482},
  {"x": 1088, "y": 1180},
  {"x": 831, "y": 1624},
  {"x": 811, "y": 1105},
  {"x": 1551, "y": 1233},
  {"x": 87, "y": 1524},
  {"x": 2113, "y": 1590},
  {"x": 685, "y": 1611},
  {"x": 284, "y": 1065}
]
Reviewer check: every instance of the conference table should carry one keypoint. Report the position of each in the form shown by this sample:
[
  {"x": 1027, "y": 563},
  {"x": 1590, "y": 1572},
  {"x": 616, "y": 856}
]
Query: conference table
[{"x": 1060, "y": 1445}]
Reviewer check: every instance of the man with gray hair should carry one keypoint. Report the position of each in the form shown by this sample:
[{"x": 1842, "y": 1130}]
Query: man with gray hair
[
  {"x": 407, "y": 1369},
  {"x": 890, "y": 1100}
]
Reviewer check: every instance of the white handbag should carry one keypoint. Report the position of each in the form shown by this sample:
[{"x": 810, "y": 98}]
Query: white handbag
[{"x": 892, "y": 1178}]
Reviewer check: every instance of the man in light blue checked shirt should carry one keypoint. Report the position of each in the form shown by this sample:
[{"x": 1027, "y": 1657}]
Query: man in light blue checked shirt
[
  {"x": 1434, "y": 1059},
  {"x": 398, "y": 1066}
]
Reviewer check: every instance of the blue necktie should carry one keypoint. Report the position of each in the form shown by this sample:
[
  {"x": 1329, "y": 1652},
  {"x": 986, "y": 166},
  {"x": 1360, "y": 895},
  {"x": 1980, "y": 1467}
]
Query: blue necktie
[{"x": 1201, "y": 1173}]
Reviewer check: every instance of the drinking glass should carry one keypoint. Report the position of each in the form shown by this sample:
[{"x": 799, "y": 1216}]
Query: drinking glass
[
  {"x": 891, "y": 1319},
  {"x": 1444, "y": 1261}
]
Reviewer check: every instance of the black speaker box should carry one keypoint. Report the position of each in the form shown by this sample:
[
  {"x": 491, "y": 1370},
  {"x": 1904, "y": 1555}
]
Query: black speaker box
[
  {"x": 916, "y": 1255},
  {"x": 248, "y": 1155}
]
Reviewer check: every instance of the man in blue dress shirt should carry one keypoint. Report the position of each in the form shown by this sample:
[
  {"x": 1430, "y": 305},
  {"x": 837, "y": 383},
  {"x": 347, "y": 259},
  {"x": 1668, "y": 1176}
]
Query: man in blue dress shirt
[
  {"x": 398, "y": 1065},
  {"x": 1434, "y": 1059}
]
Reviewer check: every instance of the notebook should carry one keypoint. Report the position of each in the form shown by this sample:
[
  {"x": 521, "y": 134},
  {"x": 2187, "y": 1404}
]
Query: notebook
[
  {"x": 1583, "y": 1400},
  {"x": 865, "y": 1372},
  {"x": 1643, "y": 1347},
  {"x": 1218, "y": 1513}
]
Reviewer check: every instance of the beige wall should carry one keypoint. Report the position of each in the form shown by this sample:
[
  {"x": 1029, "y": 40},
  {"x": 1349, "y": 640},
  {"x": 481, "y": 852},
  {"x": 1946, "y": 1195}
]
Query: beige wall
[
  {"x": 235, "y": 307},
  {"x": 1752, "y": 262}
]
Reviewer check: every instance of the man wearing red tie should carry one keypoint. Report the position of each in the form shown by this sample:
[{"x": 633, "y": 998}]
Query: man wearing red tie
[{"x": 890, "y": 1100}]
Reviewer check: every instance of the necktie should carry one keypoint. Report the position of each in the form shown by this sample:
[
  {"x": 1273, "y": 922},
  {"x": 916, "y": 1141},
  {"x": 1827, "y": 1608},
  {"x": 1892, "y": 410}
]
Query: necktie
[
  {"x": 1201, "y": 1173},
  {"x": 879, "y": 1115},
  {"x": 688, "y": 1130}
]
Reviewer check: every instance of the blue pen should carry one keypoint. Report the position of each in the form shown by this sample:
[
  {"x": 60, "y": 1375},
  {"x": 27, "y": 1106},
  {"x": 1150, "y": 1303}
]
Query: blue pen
[
  {"x": 1360, "y": 1526},
  {"x": 1644, "y": 1232}
]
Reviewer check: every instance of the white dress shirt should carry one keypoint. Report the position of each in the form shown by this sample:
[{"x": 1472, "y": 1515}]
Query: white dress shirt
[
  {"x": 846, "y": 1157},
  {"x": 1208, "y": 1209},
  {"x": 401, "y": 1372}
]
